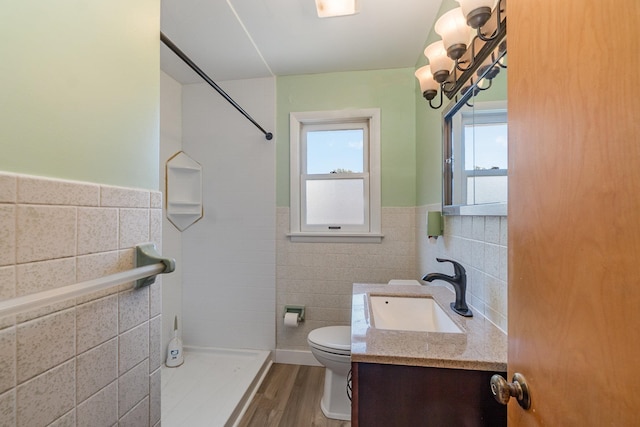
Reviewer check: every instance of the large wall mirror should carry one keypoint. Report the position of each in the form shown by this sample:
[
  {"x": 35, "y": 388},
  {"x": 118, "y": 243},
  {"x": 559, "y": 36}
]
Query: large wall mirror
[
  {"x": 475, "y": 141},
  {"x": 476, "y": 145}
]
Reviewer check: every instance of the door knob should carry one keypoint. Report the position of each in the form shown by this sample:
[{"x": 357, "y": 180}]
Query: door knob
[{"x": 503, "y": 391}]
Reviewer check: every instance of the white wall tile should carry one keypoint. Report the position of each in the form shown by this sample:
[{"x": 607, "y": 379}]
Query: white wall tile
[
  {"x": 477, "y": 225},
  {"x": 96, "y": 322},
  {"x": 101, "y": 409},
  {"x": 467, "y": 226},
  {"x": 67, "y": 420},
  {"x": 155, "y": 344},
  {"x": 133, "y": 386},
  {"x": 8, "y": 234},
  {"x": 492, "y": 260},
  {"x": 156, "y": 200},
  {"x": 133, "y": 308},
  {"x": 504, "y": 264},
  {"x": 44, "y": 311},
  {"x": 7, "y": 283},
  {"x": 134, "y": 227},
  {"x": 477, "y": 255},
  {"x": 8, "y": 408},
  {"x": 124, "y": 197},
  {"x": 155, "y": 228},
  {"x": 45, "y": 275},
  {"x": 492, "y": 229},
  {"x": 138, "y": 416},
  {"x": 479, "y": 243},
  {"x": 97, "y": 230},
  {"x": 134, "y": 348},
  {"x": 503, "y": 231},
  {"x": 155, "y": 397},
  {"x": 155, "y": 297},
  {"x": 320, "y": 276},
  {"x": 94, "y": 266},
  {"x": 41, "y": 239},
  {"x": 7, "y": 359},
  {"x": 224, "y": 241},
  {"x": 47, "y": 191},
  {"x": 8, "y": 188},
  {"x": 44, "y": 343},
  {"x": 45, "y": 232},
  {"x": 47, "y": 397},
  {"x": 96, "y": 369}
]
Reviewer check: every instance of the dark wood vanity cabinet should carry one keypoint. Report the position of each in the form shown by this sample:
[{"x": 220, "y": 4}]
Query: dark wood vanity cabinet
[{"x": 402, "y": 396}]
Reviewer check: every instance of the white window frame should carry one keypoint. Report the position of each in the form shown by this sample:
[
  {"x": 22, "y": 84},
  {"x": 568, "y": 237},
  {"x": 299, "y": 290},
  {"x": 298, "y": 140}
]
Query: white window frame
[
  {"x": 480, "y": 113},
  {"x": 302, "y": 233}
]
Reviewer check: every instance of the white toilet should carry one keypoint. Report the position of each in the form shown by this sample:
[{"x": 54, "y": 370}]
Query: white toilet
[{"x": 331, "y": 346}]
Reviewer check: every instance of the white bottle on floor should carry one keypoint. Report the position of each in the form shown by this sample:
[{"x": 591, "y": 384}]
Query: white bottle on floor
[{"x": 175, "y": 357}]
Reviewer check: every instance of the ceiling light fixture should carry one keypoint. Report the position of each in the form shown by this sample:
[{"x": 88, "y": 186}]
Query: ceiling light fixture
[
  {"x": 461, "y": 51},
  {"x": 331, "y": 8}
]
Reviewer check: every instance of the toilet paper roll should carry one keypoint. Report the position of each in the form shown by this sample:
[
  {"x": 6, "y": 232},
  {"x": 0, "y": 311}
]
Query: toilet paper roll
[{"x": 291, "y": 320}]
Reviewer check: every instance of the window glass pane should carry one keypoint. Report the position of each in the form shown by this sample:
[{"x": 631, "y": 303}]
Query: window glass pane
[
  {"x": 335, "y": 201},
  {"x": 486, "y": 189},
  {"x": 335, "y": 151},
  {"x": 485, "y": 146}
]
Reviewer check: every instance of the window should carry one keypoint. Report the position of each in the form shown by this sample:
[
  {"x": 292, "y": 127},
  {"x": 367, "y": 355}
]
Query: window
[
  {"x": 476, "y": 170},
  {"x": 335, "y": 175},
  {"x": 485, "y": 156}
]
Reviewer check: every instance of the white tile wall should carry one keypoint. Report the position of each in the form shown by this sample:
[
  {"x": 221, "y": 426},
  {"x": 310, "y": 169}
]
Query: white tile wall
[
  {"x": 101, "y": 409},
  {"x": 90, "y": 361},
  {"x": 228, "y": 289},
  {"x": 479, "y": 243},
  {"x": 320, "y": 275}
]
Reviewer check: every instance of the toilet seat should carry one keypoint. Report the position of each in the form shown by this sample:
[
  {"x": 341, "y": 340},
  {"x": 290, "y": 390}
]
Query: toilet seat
[{"x": 331, "y": 339}]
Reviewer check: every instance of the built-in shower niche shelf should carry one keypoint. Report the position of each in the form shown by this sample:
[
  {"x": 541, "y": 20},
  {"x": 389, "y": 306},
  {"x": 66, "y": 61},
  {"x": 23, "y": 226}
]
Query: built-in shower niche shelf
[{"x": 184, "y": 190}]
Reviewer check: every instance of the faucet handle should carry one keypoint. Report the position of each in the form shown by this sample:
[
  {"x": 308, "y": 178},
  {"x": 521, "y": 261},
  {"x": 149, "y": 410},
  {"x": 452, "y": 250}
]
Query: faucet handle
[{"x": 457, "y": 267}]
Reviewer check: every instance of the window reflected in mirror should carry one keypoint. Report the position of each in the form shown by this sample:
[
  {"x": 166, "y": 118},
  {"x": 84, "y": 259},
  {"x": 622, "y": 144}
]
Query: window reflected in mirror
[
  {"x": 481, "y": 132},
  {"x": 476, "y": 149}
]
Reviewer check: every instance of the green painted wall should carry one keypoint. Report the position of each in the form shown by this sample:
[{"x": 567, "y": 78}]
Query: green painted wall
[
  {"x": 393, "y": 91},
  {"x": 429, "y": 133},
  {"x": 80, "y": 90}
]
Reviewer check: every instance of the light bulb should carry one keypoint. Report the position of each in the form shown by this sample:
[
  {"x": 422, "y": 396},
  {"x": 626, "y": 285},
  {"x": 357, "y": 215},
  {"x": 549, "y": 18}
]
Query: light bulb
[
  {"x": 455, "y": 33},
  {"x": 477, "y": 12},
  {"x": 440, "y": 63},
  {"x": 331, "y": 8},
  {"x": 428, "y": 85}
]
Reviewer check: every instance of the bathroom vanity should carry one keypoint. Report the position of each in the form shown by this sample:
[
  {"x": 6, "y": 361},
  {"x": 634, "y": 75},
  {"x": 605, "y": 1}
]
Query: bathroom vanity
[{"x": 406, "y": 377}]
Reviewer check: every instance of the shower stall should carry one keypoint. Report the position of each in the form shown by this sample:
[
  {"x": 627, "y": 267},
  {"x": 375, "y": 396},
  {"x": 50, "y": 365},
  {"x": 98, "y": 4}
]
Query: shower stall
[{"x": 224, "y": 288}]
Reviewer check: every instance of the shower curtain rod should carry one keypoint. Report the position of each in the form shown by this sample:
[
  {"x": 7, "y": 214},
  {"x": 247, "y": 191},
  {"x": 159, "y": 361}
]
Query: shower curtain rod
[{"x": 194, "y": 67}]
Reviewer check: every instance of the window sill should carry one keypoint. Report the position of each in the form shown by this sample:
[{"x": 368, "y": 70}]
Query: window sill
[{"x": 335, "y": 237}]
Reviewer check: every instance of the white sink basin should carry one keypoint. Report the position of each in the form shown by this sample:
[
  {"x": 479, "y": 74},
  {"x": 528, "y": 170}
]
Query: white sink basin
[{"x": 410, "y": 314}]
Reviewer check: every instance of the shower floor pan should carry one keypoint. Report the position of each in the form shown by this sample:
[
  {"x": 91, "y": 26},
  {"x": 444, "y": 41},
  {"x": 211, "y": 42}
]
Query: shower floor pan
[{"x": 212, "y": 387}]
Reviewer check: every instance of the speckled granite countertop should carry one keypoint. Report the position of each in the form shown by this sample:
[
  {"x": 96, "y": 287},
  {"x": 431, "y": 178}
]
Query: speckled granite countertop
[{"x": 481, "y": 346}]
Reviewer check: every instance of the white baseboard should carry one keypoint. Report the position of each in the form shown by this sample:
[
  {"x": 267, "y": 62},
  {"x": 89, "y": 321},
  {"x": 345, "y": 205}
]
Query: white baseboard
[{"x": 296, "y": 357}]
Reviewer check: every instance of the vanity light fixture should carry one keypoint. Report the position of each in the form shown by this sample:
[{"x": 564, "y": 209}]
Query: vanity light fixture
[
  {"x": 331, "y": 8},
  {"x": 462, "y": 57},
  {"x": 477, "y": 12},
  {"x": 441, "y": 64},
  {"x": 428, "y": 85},
  {"x": 455, "y": 33}
]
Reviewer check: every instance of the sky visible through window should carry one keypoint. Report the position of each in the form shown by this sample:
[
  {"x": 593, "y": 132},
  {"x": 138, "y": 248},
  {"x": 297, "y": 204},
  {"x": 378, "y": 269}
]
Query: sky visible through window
[
  {"x": 335, "y": 150},
  {"x": 490, "y": 150}
]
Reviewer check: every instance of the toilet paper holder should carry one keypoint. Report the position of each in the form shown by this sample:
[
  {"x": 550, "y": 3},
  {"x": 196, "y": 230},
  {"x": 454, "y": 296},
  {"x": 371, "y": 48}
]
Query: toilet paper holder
[{"x": 299, "y": 309}]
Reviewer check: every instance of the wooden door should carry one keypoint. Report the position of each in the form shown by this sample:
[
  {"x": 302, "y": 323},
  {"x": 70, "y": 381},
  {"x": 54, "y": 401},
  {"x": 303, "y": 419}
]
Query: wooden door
[{"x": 574, "y": 210}]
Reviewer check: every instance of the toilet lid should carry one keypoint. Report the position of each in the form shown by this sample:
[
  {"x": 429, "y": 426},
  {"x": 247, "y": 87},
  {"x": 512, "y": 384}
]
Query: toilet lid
[{"x": 332, "y": 338}]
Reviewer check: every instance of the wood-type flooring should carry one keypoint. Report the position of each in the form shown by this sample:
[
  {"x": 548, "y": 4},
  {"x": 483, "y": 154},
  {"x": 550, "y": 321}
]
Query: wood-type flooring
[{"x": 289, "y": 396}]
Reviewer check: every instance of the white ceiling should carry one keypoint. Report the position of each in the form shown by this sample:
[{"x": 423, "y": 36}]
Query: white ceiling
[{"x": 241, "y": 39}]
